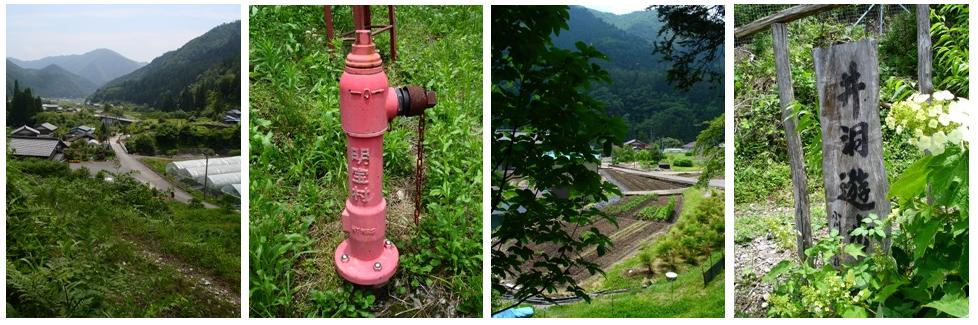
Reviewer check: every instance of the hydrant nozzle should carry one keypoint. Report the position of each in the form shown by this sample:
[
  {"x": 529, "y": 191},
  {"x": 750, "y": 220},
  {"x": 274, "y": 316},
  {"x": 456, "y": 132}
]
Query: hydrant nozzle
[{"x": 367, "y": 104}]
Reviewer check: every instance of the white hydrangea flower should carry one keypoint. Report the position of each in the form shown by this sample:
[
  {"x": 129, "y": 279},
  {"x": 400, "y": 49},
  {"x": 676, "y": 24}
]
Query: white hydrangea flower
[
  {"x": 923, "y": 142},
  {"x": 943, "y": 95},
  {"x": 932, "y": 124},
  {"x": 956, "y": 136},
  {"x": 920, "y": 98},
  {"x": 899, "y": 129},
  {"x": 944, "y": 119}
]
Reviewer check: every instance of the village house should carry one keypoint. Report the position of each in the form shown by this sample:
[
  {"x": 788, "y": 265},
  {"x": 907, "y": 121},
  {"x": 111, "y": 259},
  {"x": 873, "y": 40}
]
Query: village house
[
  {"x": 38, "y": 147},
  {"x": 82, "y": 130},
  {"x": 636, "y": 144},
  {"x": 25, "y": 131},
  {"x": 47, "y": 128},
  {"x": 110, "y": 120}
]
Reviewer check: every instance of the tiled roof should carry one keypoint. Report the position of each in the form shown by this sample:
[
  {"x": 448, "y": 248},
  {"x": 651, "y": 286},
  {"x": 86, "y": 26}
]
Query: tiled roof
[
  {"x": 49, "y": 126},
  {"x": 32, "y": 130},
  {"x": 34, "y": 147}
]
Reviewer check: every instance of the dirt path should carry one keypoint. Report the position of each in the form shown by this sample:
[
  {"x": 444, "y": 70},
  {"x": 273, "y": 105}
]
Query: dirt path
[
  {"x": 215, "y": 288},
  {"x": 125, "y": 163}
]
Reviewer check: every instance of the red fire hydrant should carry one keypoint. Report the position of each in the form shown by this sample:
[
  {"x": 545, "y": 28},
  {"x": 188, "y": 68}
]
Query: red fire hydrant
[{"x": 367, "y": 105}]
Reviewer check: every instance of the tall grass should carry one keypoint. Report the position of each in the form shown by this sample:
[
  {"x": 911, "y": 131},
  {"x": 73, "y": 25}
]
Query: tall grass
[
  {"x": 298, "y": 173},
  {"x": 75, "y": 247}
]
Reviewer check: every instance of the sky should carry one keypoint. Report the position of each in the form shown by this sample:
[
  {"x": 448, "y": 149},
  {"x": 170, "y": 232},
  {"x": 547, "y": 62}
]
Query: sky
[
  {"x": 618, "y": 7},
  {"x": 138, "y": 32}
]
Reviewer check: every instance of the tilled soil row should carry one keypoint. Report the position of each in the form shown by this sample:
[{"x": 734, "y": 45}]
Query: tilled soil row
[{"x": 632, "y": 182}]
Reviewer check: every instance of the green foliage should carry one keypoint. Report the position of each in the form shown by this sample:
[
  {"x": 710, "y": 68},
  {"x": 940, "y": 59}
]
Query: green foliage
[
  {"x": 75, "y": 247},
  {"x": 949, "y": 33},
  {"x": 180, "y": 136},
  {"x": 652, "y": 295},
  {"x": 538, "y": 88},
  {"x": 635, "y": 71},
  {"x": 204, "y": 76},
  {"x": 346, "y": 302},
  {"x": 659, "y": 213},
  {"x": 299, "y": 176},
  {"x": 683, "y": 163},
  {"x": 709, "y": 144},
  {"x": 696, "y": 234},
  {"x": 897, "y": 56},
  {"x": 81, "y": 150},
  {"x": 925, "y": 272},
  {"x": 22, "y": 107},
  {"x": 143, "y": 143},
  {"x": 686, "y": 297},
  {"x": 692, "y": 40},
  {"x": 628, "y": 203}
]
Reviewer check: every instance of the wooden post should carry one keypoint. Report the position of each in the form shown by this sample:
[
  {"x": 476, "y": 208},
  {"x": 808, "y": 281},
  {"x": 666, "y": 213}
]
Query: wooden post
[
  {"x": 392, "y": 22},
  {"x": 847, "y": 79},
  {"x": 328, "y": 21},
  {"x": 799, "y": 182},
  {"x": 924, "y": 64}
]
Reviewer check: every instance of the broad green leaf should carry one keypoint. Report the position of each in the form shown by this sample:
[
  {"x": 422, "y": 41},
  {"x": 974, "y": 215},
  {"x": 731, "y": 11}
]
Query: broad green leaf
[
  {"x": 924, "y": 234},
  {"x": 854, "y": 250},
  {"x": 855, "y": 312},
  {"x": 912, "y": 182},
  {"x": 776, "y": 271},
  {"x": 954, "y": 305}
]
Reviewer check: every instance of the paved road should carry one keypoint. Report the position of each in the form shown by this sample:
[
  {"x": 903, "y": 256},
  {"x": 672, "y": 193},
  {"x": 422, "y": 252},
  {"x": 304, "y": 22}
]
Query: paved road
[{"x": 125, "y": 163}]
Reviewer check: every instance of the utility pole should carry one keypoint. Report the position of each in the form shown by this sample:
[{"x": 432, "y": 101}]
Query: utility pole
[{"x": 206, "y": 167}]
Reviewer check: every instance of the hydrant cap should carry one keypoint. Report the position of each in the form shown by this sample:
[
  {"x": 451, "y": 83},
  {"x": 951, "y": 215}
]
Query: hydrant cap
[
  {"x": 363, "y": 58},
  {"x": 420, "y": 99}
]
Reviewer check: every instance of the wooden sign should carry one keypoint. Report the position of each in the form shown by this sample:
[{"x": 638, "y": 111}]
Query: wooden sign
[{"x": 847, "y": 77}]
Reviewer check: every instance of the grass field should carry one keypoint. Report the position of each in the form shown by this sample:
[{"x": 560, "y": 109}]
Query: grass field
[
  {"x": 83, "y": 247},
  {"x": 686, "y": 297},
  {"x": 298, "y": 168}
]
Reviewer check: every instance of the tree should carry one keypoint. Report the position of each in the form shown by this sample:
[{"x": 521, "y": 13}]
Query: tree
[
  {"x": 22, "y": 107},
  {"x": 708, "y": 145},
  {"x": 655, "y": 153},
  {"x": 545, "y": 127},
  {"x": 668, "y": 142},
  {"x": 693, "y": 42}
]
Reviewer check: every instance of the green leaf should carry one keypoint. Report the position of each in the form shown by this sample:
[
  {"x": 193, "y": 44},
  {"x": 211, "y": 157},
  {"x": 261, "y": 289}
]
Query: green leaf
[
  {"x": 854, "y": 250},
  {"x": 776, "y": 271},
  {"x": 912, "y": 182},
  {"x": 924, "y": 234},
  {"x": 855, "y": 312},
  {"x": 954, "y": 305}
]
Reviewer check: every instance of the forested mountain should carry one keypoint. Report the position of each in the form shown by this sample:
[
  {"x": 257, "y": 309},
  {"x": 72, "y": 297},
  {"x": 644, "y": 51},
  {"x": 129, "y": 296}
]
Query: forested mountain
[
  {"x": 643, "y": 24},
  {"x": 639, "y": 92},
  {"x": 98, "y": 66},
  {"x": 203, "y": 76},
  {"x": 51, "y": 81}
]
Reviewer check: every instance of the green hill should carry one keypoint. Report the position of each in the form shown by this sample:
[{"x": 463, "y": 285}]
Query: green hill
[
  {"x": 639, "y": 92},
  {"x": 201, "y": 76},
  {"x": 98, "y": 66},
  {"x": 51, "y": 82}
]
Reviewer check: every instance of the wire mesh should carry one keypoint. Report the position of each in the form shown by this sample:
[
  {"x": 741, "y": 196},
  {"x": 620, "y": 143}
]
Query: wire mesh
[{"x": 874, "y": 18}]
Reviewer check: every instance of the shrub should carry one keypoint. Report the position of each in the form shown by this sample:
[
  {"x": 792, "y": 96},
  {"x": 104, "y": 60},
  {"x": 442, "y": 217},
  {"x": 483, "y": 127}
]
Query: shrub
[{"x": 683, "y": 163}]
